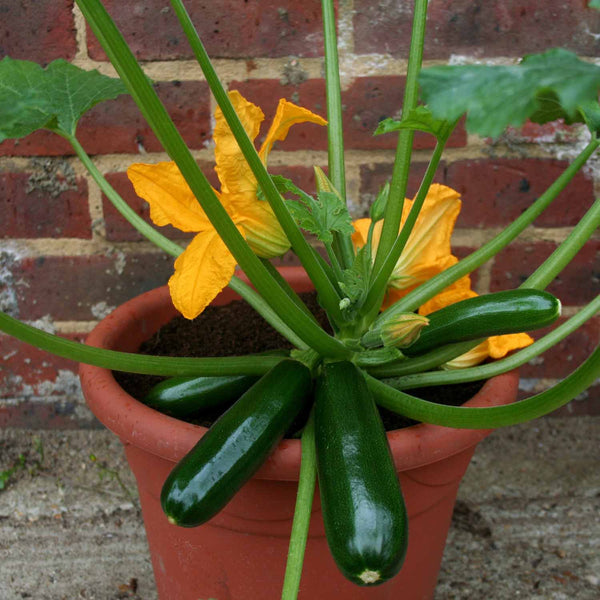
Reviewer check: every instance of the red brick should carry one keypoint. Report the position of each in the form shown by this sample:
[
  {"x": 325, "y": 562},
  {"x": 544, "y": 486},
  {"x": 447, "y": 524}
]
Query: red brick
[
  {"x": 478, "y": 28},
  {"x": 495, "y": 192},
  {"x": 576, "y": 285},
  {"x": 567, "y": 355},
  {"x": 37, "y": 214},
  {"x": 70, "y": 288},
  {"x": 228, "y": 29},
  {"x": 40, "y": 31},
  {"x": 118, "y": 126}
]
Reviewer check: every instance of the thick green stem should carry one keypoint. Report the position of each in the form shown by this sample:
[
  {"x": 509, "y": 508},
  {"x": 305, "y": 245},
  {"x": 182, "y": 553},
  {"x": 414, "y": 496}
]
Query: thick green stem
[
  {"x": 134, "y": 219},
  {"x": 136, "y": 363},
  {"x": 162, "y": 125},
  {"x": 342, "y": 244},
  {"x": 400, "y": 173},
  {"x": 436, "y": 284},
  {"x": 490, "y": 417},
  {"x": 500, "y": 366},
  {"x": 379, "y": 285},
  {"x": 304, "y": 502},
  {"x": 301, "y": 247},
  {"x": 563, "y": 255}
]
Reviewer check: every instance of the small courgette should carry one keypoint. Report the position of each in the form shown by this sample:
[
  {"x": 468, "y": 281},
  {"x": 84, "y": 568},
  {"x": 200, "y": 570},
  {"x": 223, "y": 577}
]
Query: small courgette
[
  {"x": 363, "y": 509},
  {"x": 184, "y": 396},
  {"x": 511, "y": 311},
  {"x": 236, "y": 445}
]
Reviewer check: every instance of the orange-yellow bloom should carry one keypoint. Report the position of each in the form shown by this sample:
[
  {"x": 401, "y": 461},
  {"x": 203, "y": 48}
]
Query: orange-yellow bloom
[
  {"x": 206, "y": 265},
  {"x": 427, "y": 253}
]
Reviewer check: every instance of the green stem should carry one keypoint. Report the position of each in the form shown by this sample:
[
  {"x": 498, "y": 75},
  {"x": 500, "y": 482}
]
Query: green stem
[
  {"x": 500, "y": 366},
  {"x": 379, "y": 285},
  {"x": 304, "y": 502},
  {"x": 301, "y": 247},
  {"x": 436, "y": 284},
  {"x": 134, "y": 219},
  {"x": 567, "y": 250},
  {"x": 337, "y": 170},
  {"x": 490, "y": 417},
  {"x": 393, "y": 212},
  {"x": 162, "y": 125},
  {"x": 426, "y": 362},
  {"x": 136, "y": 363}
]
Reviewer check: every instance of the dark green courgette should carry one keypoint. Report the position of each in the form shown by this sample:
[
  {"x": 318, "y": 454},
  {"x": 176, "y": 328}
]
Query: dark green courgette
[
  {"x": 236, "y": 445},
  {"x": 363, "y": 509},
  {"x": 512, "y": 311},
  {"x": 184, "y": 396}
]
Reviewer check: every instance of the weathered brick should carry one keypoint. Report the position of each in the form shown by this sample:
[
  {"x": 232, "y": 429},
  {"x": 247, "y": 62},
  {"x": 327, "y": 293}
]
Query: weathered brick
[
  {"x": 576, "y": 285},
  {"x": 495, "y": 192},
  {"x": 40, "y": 31},
  {"x": 43, "y": 211},
  {"x": 59, "y": 413},
  {"x": 228, "y": 29},
  {"x": 27, "y": 371},
  {"x": 118, "y": 126},
  {"x": 85, "y": 287},
  {"x": 478, "y": 28}
]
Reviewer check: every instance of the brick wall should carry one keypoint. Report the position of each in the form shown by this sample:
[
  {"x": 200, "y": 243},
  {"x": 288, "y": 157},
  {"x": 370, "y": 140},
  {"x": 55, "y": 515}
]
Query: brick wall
[{"x": 67, "y": 257}]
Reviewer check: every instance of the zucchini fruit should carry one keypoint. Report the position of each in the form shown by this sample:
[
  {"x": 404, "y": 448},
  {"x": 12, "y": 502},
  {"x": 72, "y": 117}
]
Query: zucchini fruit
[
  {"x": 184, "y": 396},
  {"x": 511, "y": 311},
  {"x": 237, "y": 444},
  {"x": 362, "y": 504}
]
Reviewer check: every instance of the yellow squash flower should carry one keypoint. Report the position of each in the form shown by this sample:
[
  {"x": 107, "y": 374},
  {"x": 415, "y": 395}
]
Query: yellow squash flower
[
  {"x": 206, "y": 265},
  {"x": 427, "y": 253}
]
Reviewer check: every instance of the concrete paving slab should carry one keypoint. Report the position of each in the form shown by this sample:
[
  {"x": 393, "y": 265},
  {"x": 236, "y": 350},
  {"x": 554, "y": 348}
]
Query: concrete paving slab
[{"x": 526, "y": 523}]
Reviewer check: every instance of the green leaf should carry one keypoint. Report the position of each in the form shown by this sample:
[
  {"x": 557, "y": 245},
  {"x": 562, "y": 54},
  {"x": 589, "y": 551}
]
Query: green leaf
[
  {"x": 54, "y": 98},
  {"x": 419, "y": 118},
  {"x": 73, "y": 91},
  {"x": 591, "y": 115},
  {"x": 355, "y": 282},
  {"x": 594, "y": 4},
  {"x": 22, "y": 104},
  {"x": 542, "y": 88},
  {"x": 320, "y": 216}
]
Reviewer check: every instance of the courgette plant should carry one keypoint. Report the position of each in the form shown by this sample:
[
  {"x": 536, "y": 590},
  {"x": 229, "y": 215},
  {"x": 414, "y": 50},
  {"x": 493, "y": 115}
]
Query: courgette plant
[{"x": 401, "y": 308}]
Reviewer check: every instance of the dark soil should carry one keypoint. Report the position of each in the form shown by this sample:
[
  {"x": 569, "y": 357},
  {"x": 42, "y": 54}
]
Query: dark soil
[{"x": 237, "y": 329}]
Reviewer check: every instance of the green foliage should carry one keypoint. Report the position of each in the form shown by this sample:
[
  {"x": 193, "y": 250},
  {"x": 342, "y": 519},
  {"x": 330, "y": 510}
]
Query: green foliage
[
  {"x": 420, "y": 119},
  {"x": 355, "y": 281},
  {"x": 543, "y": 87},
  {"x": 320, "y": 216},
  {"x": 594, "y": 4},
  {"x": 53, "y": 98}
]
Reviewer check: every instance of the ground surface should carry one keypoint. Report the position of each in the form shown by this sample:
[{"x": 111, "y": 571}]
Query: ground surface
[{"x": 526, "y": 524}]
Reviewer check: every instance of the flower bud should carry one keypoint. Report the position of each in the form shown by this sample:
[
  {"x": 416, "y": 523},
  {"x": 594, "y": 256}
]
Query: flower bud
[{"x": 403, "y": 330}]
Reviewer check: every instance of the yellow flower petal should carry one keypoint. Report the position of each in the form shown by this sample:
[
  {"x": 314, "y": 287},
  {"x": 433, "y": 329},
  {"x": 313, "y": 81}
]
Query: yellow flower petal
[
  {"x": 428, "y": 247},
  {"x": 171, "y": 200},
  {"x": 501, "y": 345},
  {"x": 234, "y": 173},
  {"x": 261, "y": 227},
  {"x": 287, "y": 114},
  {"x": 201, "y": 272},
  {"x": 459, "y": 290},
  {"x": 469, "y": 359}
]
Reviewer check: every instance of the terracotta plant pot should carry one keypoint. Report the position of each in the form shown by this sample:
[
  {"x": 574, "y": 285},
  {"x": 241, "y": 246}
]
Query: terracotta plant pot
[{"x": 241, "y": 553}]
